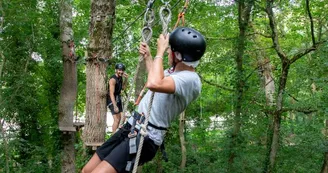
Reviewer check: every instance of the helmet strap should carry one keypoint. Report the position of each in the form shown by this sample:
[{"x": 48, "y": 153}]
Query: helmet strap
[{"x": 174, "y": 63}]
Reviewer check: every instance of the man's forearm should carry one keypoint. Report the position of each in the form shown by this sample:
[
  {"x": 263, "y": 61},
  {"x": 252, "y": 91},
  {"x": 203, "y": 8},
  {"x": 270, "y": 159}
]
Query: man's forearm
[
  {"x": 149, "y": 62},
  {"x": 112, "y": 98},
  {"x": 156, "y": 73}
]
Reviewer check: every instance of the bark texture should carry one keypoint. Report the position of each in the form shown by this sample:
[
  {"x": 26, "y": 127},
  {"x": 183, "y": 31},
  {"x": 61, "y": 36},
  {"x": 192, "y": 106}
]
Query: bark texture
[
  {"x": 99, "y": 52},
  {"x": 68, "y": 90}
]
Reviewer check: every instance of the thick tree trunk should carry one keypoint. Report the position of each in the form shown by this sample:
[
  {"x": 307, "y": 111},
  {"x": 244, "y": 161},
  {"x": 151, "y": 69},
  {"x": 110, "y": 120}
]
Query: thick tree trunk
[
  {"x": 244, "y": 10},
  {"x": 268, "y": 80},
  {"x": 68, "y": 90},
  {"x": 182, "y": 141},
  {"x": 99, "y": 51}
]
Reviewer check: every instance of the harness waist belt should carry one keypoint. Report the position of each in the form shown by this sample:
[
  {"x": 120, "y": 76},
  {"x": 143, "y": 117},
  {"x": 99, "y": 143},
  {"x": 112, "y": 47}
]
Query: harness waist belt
[{"x": 156, "y": 127}]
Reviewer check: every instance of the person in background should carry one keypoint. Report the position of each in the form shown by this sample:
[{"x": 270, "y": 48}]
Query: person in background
[{"x": 116, "y": 84}]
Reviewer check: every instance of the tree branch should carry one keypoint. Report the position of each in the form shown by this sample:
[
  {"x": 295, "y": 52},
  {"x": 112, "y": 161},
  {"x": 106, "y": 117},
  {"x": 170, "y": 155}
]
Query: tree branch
[
  {"x": 311, "y": 20},
  {"x": 306, "y": 51},
  {"x": 261, "y": 34},
  {"x": 273, "y": 27},
  {"x": 214, "y": 84},
  {"x": 303, "y": 110}
]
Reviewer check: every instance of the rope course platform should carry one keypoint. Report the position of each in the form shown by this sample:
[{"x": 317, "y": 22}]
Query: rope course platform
[
  {"x": 78, "y": 125},
  {"x": 67, "y": 129},
  {"x": 93, "y": 145}
]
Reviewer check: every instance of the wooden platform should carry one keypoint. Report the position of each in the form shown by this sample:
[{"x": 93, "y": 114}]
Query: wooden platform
[
  {"x": 67, "y": 130},
  {"x": 93, "y": 145},
  {"x": 78, "y": 125}
]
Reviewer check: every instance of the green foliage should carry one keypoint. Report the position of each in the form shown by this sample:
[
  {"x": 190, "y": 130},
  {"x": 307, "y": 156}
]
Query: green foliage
[{"x": 29, "y": 90}]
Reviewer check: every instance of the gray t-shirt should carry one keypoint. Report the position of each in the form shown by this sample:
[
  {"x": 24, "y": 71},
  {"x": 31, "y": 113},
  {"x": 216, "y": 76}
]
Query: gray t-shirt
[{"x": 166, "y": 107}]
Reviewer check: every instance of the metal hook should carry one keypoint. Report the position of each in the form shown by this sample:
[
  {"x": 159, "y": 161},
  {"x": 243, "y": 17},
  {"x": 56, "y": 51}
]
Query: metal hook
[
  {"x": 149, "y": 16},
  {"x": 146, "y": 33},
  {"x": 164, "y": 11}
]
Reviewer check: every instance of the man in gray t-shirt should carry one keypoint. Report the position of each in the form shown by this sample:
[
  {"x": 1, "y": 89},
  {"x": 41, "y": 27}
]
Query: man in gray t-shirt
[
  {"x": 174, "y": 90},
  {"x": 166, "y": 107}
]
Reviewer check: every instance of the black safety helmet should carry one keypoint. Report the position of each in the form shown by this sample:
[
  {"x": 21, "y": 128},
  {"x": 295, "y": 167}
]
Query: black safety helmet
[
  {"x": 189, "y": 42},
  {"x": 120, "y": 66}
]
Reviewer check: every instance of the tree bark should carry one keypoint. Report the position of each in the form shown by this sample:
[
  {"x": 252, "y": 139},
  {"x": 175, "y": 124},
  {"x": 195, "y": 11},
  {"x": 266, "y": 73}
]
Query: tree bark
[
  {"x": 275, "y": 128},
  {"x": 182, "y": 141},
  {"x": 68, "y": 90},
  {"x": 268, "y": 80},
  {"x": 99, "y": 52},
  {"x": 244, "y": 10}
]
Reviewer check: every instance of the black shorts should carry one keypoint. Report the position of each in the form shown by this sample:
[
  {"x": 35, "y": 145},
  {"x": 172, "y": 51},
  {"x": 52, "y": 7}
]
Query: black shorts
[
  {"x": 116, "y": 150},
  {"x": 119, "y": 105}
]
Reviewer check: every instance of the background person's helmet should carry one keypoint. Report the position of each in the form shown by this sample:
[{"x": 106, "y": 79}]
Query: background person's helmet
[
  {"x": 189, "y": 42},
  {"x": 120, "y": 66}
]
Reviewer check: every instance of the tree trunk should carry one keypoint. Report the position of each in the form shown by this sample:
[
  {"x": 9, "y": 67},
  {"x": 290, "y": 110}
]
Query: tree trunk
[
  {"x": 269, "y": 86},
  {"x": 3, "y": 61},
  {"x": 275, "y": 131},
  {"x": 182, "y": 141},
  {"x": 68, "y": 90},
  {"x": 99, "y": 52},
  {"x": 275, "y": 137},
  {"x": 244, "y": 10},
  {"x": 285, "y": 64}
]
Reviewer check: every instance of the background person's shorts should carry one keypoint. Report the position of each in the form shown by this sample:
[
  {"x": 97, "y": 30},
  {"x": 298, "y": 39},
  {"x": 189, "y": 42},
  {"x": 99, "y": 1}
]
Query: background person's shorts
[
  {"x": 116, "y": 150},
  {"x": 119, "y": 105}
]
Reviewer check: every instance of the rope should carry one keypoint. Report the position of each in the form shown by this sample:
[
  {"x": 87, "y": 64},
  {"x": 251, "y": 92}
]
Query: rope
[
  {"x": 181, "y": 15},
  {"x": 146, "y": 34},
  {"x": 165, "y": 16}
]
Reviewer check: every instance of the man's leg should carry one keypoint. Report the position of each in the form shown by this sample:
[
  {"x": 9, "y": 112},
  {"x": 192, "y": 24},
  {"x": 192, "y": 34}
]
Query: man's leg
[
  {"x": 92, "y": 164},
  {"x": 104, "y": 167},
  {"x": 117, "y": 119}
]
